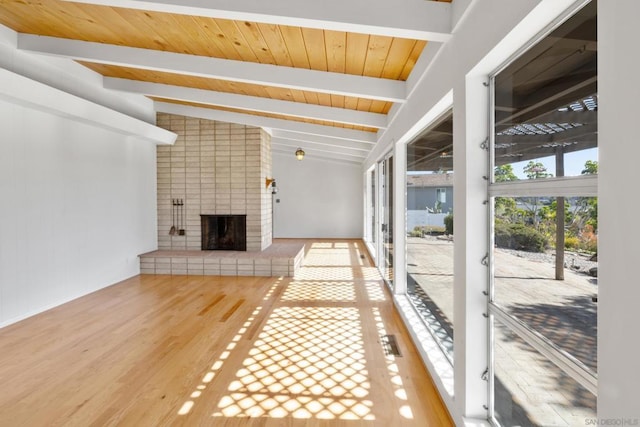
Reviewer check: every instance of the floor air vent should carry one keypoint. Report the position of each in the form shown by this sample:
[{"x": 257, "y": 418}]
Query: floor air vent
[{"x": 390, "y": 345}]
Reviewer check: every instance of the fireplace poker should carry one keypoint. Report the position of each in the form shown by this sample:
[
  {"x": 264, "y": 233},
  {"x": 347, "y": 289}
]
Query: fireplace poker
[{"x": 172, "y": 231}]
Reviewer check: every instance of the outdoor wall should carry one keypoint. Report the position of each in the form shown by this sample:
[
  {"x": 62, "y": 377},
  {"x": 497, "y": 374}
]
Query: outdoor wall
[
  {"x": 318, "y": 198},
  {"x": 422, "y": 218},
  {"x": 77, "y": 207},
  {"x": 419, "y": 198}
]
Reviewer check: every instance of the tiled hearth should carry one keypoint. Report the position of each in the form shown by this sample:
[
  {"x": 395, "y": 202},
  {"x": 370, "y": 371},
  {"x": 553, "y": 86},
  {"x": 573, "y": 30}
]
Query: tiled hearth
[{"x": 282, "y": 258}]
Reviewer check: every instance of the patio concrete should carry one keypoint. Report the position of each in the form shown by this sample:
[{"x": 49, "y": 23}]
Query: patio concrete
[{"x": 530, "y": 390}]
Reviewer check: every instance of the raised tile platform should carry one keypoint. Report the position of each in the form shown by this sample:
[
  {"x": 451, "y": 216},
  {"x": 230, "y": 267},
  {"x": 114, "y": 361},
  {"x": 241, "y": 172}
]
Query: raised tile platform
[{"x": 282, "y": 258}]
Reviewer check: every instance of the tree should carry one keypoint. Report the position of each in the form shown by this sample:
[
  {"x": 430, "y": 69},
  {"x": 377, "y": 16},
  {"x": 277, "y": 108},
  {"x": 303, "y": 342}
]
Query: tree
[
  {"x": 583, "y": 220},
  {"x": 534, "y": 170},
  {"x": 590, "y": 204},
  {"x": 505, "y": 173},
  {"x": 505, "y": 207},
  {"x": 590, "y": 168}
]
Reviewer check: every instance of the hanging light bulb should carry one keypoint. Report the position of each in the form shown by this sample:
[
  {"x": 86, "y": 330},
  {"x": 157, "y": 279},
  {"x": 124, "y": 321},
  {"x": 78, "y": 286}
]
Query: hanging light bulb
[{"x": 299, "y": 154}]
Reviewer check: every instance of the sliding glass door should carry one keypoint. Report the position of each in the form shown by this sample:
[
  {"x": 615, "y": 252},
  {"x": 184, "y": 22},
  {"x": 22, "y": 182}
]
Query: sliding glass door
[
  {"x": 386, "y": 219},
  {"x": 371, "y": 218}
]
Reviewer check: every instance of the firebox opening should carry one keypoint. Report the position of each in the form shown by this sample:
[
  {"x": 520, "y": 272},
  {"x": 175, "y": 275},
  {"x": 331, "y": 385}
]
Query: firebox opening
[{"x": 224, "y": 232}]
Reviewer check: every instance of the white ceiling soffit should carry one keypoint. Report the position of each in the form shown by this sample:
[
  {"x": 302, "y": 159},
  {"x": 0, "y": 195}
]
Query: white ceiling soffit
[
  {"x": 414, "y": 19},
  {"x": 250, "y": 103},
  {"x": 33, "y": 94},
  {"x": 215, "y": 68},
  {"x": 260, "y": 121}
]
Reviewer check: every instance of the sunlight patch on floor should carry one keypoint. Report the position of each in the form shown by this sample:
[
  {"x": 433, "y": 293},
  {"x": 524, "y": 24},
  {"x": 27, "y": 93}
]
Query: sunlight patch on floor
[
  {"x": 308, "y": 362},
  {"x": 394, "y": 371},
  {"x": 375, "y": 291},
  {"x": 320, "y": 291},
  {"x": 210, "y": 374}
]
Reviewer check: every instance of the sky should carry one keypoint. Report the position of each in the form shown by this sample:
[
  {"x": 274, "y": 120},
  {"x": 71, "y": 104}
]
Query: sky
[{"x": 573, "y": 163}]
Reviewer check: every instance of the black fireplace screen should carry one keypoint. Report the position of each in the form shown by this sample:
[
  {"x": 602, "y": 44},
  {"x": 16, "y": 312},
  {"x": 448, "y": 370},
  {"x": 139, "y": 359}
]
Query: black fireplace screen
[{"x": 224, "y": 232}]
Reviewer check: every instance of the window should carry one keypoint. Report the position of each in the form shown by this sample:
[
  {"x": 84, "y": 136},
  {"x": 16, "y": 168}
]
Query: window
[
  {"x": 429, "y": 229},
  {"x": 370, "y": 229},
  {"x": 543, "y": 296},
  {"x": 386, "y": 245}
]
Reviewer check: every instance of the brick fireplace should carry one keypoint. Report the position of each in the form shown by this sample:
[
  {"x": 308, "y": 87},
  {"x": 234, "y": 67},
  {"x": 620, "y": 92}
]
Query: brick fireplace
[{"x": 214, "y": 168}]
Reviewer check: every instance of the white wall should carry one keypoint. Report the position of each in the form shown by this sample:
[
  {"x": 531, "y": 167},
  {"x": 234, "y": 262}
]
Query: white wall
[
  {"x": 618, "y": 207},
  {"x": 77, "y": 205},
  {"x": 318, "y": 198},
  {"x": 77, "y": 181}
]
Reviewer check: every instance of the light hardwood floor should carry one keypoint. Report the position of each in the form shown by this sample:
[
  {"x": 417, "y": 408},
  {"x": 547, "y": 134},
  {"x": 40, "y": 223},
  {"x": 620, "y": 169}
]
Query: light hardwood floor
[{"x": 222, "y": 351}]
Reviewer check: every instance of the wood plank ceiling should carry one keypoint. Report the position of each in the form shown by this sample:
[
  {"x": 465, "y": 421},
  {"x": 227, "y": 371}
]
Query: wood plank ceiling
[{"x": 74, "y": 28}]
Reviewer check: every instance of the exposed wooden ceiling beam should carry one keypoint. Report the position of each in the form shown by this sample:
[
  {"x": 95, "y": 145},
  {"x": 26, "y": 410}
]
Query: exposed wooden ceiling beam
[
  {"x": 412, "y": 19},
  {"x": 425, "y": 60},
  {"x": 250, "y": 103},
  {"x": 266, "y": 122},
  {"x": 215, "y": 68},
  {"x": 319, "y": 147},
  {"x": 304, "y": 138}
]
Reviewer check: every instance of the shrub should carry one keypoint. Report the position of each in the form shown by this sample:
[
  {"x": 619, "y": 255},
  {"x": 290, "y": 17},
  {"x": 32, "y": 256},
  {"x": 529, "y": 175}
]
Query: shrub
[
  {"x": 416, "y": 232},
  {"x": 421, "y": 230},
  {"x": 571, "y": 242},
  {"x": 588, "y": 239},
  {"x": 448, "y": 224},
  {"x": 502, "y": 235},
  {"x": 519, "y": 237},
  {"x": 590, "y": 245}
]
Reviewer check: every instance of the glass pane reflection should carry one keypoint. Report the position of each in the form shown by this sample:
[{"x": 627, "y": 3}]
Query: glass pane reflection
[
  {"x": 546, "y": 104},
  {"x": 430, "y": 229},
  {"x": 553, "y": 292},
  {"x": 529, "y": 390}
]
